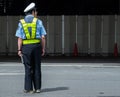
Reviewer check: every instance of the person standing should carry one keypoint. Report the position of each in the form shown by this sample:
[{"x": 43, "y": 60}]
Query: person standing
[{"x": 31, "y": 45}]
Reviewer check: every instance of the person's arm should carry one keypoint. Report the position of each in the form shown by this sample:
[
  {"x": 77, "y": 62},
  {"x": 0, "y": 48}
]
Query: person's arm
[
  {"x": 19, "y": 46},
  {"x": 43, "y": 45},
  {"x": 42, "y": 33}
]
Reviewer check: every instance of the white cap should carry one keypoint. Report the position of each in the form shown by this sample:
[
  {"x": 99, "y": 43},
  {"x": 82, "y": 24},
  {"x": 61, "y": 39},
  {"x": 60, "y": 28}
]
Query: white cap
[{"x": 29, "y": 7}]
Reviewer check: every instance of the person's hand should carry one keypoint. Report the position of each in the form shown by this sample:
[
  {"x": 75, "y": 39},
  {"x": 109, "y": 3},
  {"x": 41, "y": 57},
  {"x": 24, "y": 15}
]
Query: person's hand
[
  {"x": 43, "y": 52},
  {"x": 20, "y": 53}
]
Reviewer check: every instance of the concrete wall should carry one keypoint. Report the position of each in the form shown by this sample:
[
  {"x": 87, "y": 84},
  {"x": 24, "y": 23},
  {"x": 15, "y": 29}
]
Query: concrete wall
[{"x": 94, "y": 34}]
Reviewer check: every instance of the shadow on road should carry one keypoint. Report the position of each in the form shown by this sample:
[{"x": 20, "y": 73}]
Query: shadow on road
[{"x": 54, "y": 89}]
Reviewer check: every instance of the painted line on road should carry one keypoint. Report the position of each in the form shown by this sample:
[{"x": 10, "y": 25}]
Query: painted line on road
[
  {"x": 81, "y": 65},
  {"x": 92, "y": 65},
  {"x": 12, "y": 74}
]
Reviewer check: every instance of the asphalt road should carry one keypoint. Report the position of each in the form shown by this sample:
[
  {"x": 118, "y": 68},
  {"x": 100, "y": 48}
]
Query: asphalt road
[{"x": 63, "y": 80}]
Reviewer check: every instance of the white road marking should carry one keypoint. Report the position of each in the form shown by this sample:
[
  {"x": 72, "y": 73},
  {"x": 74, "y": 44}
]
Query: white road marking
[
  {"x": 12, "y": 73},
  {"x": 2, "y": 64},
  {"x": 82, "y": 65}
]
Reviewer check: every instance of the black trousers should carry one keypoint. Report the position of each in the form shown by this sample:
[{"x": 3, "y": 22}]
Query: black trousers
[{"x": 32, "y": 62}]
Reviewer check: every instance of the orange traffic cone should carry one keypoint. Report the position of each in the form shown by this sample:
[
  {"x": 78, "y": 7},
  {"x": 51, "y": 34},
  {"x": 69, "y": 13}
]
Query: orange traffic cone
[
  {"x": 115, "y": 50},
  {"x": 75, "y": 50}
]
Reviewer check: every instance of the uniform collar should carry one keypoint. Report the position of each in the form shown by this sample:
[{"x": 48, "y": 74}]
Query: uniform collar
[{"x": 29, "y": 18}]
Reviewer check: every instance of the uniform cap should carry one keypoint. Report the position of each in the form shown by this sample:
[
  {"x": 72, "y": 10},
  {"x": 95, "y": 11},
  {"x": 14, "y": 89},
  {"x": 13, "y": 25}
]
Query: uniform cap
[{"x": 29, "y": 7}]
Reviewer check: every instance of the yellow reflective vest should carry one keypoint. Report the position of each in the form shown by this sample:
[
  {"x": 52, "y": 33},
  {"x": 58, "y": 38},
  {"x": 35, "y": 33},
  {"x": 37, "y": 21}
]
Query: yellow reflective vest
[{"x": 30, "y": 38}]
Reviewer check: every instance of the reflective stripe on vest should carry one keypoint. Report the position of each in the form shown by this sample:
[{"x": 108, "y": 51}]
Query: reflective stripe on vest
[{"x": 30, "y": 39}]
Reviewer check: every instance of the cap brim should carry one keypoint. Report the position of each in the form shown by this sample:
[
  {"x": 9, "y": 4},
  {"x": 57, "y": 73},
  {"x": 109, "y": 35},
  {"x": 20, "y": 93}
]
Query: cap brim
[{"x": 29, "y": 7}]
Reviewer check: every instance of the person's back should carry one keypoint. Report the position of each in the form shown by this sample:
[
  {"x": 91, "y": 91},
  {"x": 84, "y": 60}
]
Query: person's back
[{"x": 31, "y": 44}]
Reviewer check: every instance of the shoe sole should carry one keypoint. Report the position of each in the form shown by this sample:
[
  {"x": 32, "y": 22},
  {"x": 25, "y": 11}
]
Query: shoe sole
[{"x": 31, "y": 92}]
